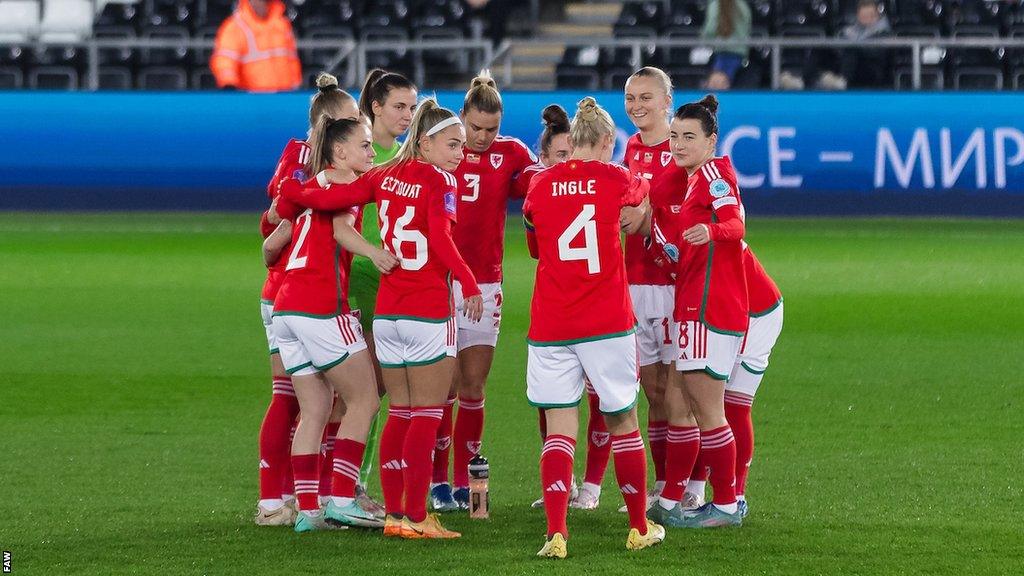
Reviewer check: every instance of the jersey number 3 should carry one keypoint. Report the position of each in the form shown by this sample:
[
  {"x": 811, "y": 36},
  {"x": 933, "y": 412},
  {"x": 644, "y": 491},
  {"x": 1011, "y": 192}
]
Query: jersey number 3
[
  {"x": 401, "y": 236},
  {"x": 584, "y": 222},
  {"x": 473, "y": 183}
]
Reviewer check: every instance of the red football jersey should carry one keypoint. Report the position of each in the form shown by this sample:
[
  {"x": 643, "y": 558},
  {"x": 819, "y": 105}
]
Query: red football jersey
[
  {"x": 762, "y": 292},
  {"x": 292, "y": 164},
  {"x": 316, "y": 272},
  {"x": 710, "y": 280},
  {"x": 486, "y": 182},
  {"x": 416, "y": 207},
  {"x": 668, "y": 184},
  {"x": 572, "y": 212}
]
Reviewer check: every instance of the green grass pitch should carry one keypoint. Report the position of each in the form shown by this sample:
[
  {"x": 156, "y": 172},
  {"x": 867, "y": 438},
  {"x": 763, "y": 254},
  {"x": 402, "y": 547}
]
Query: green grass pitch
[{"x": 134, "y": 377}]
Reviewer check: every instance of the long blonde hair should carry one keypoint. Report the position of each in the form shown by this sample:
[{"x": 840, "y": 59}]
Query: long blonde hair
[
  {"x": 428, "y": 114},
  {"x": 590, "y": 124},
  {"x": 483, "y": 94}
]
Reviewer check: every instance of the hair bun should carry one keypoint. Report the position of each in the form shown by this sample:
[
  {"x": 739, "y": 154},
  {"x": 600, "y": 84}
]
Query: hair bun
[
  {"x": 326, "y": 82},
  {"x": 587, "y": 109},
  {"x": 483, "y": 79},
  {"x": 554, "y": 116},
  {"x": 710, "y": 102}
]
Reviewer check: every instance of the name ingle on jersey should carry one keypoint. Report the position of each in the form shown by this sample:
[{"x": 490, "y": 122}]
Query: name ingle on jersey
[
  {"x": 668, "y": 185},
  {"x": 574, "y": 187},
  {"x": 572, "y": 217},
  {"x": 486, "y": 182}
]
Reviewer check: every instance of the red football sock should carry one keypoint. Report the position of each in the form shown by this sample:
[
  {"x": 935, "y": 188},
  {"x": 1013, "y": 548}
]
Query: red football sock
[
  {"x": 719, "y": 450},
  {"x": 289, "y": 477},
  {"x": 681, "y": 446},
  {"x": 631, "y": 474},
  {"x": 443, "y": 447},
  {"x": 656, "y": 433},
  {"x": 348, "y": 456},
  {"x": 469, "y": 429},
  {"x": 392, "y": 439},
  {"x": 327, "y": 457},
  {"x": 306, "y": 468},
  {"x": 556, "y": 480},
  {"x": 599, "y": 449},
  {"x": 542, "y": 421},
  {"x": 275, "y": 445},
  {"x": 737, "y": 412},
  {"x": 700, "y": 469},
  {"x": 417, "y": 453}
]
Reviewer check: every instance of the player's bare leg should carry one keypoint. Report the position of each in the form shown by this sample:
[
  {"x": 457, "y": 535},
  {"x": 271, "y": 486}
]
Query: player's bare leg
[
  {"x": 473, "y": 367},
  {"x": 556, "y": 461},
  {"x": 428, "y": 390}
]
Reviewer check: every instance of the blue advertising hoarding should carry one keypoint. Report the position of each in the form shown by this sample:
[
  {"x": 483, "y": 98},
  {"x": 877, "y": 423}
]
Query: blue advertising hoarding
[{"x": 798, "y": 153}]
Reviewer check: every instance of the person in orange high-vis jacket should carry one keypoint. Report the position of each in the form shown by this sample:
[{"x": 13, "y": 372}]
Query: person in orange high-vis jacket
[{"x": 255, "y": 49}]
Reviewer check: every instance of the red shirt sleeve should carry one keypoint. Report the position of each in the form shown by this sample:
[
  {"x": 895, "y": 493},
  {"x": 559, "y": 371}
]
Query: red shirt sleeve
[
  {"x": 531, "y": 235},
  {"x": 725, "y": 202},
  {"x": 522, "y": 175},
  {"x": 637, "y": 188},
  {"x": 331, "y": 198},
  {"x": 440, "y": 217}
]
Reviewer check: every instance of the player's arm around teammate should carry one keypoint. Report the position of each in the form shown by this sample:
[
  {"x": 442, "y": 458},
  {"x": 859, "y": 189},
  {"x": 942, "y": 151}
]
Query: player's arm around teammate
[
  {"x": 581, "y": 320},
  {"x": 487, "y": 178},
  {"x": 321, "y": 344},
  {"x": 711, "y": 308},
  {"x": 276, "y": 484}
]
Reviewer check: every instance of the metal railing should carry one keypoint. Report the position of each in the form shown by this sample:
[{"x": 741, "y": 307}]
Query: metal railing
[
  {"x": 505, "y": 53},
  {"x": 352, "y": 56}
]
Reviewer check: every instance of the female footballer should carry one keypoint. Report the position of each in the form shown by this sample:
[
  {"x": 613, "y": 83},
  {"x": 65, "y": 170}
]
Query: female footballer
[
  {"x": 275, "y": 468},
  {"x": 711, "y": 308},
  {"x": 321, "y": 344},
  {"x": 581, "y": 320}
]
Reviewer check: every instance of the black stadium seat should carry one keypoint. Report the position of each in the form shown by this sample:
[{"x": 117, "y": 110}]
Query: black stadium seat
[
  {"x": 113, "y": 78},
  {"x": 918, "y": 12},
  {"x": 116, "y": 56},
  {"x": 53, "y": 78},
  {"x": 117, "y": 14},
  {"x": 11, "y": 77},
  {"x": 177, "y": 36},
  {"x": 168, "y": 78},
  {"x": 796, "y": 13}
]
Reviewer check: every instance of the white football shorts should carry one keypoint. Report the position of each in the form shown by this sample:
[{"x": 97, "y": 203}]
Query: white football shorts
[
  {"x": 752, "y": 360},
  {"x": 555, "y": 374},
  {"x": 267, "y": 312},
  {"x": 401, "y": 343},
  {"x": 310, "y": 345},
  {"x": 706, "y": 350},
  {"x": 484, "y": 332},
  {"x": 655, "y": 331}
]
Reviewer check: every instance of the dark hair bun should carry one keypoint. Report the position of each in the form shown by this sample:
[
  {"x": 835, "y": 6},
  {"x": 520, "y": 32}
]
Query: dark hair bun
[
  {"x": 555, "y": 117},
  {"x": 710, "y": 102}
]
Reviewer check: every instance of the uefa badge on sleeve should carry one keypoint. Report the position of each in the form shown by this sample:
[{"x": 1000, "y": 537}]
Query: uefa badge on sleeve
[
  {"x": 449, "y": 202},
  {"x": 719, "y": 188}
]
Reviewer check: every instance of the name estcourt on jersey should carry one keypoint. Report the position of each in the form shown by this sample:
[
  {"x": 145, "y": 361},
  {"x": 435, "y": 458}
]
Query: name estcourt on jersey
[{"x": 400, "y": 188}]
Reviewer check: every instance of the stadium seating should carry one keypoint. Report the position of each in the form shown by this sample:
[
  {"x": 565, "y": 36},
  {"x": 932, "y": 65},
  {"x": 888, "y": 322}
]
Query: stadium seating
[{"x": 19, "y": 20}]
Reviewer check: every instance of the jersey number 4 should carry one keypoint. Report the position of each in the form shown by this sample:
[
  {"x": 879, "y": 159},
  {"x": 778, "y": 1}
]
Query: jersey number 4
[
  {"x": 584, "y": 222},
  {"x": 401, "y": 236}
]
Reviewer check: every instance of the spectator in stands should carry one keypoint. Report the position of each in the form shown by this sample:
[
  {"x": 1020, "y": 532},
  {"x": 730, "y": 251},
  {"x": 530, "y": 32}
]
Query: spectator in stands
[
  {"x": 858, "y": 67},
  {"x": 727, "y": 20},
  {"x": 255, "y": 49}
]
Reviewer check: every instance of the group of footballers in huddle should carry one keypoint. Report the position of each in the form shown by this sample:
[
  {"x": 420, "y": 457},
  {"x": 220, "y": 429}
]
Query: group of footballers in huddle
[{"x": 403, "y": 242}]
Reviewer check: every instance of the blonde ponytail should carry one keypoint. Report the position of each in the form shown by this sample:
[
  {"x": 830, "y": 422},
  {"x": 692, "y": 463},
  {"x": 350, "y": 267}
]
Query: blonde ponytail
[
  {"x": 329, "y": 99},
  {"x": 590, "y": 125}
]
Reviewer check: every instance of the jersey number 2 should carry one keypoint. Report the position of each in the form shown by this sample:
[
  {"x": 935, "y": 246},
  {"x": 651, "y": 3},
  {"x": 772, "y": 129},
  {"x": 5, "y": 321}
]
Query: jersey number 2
[
  {"x": 585, "y": 223},
  {"x": 294, "y": 260},
  {"x": 401, "y": 235}
]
